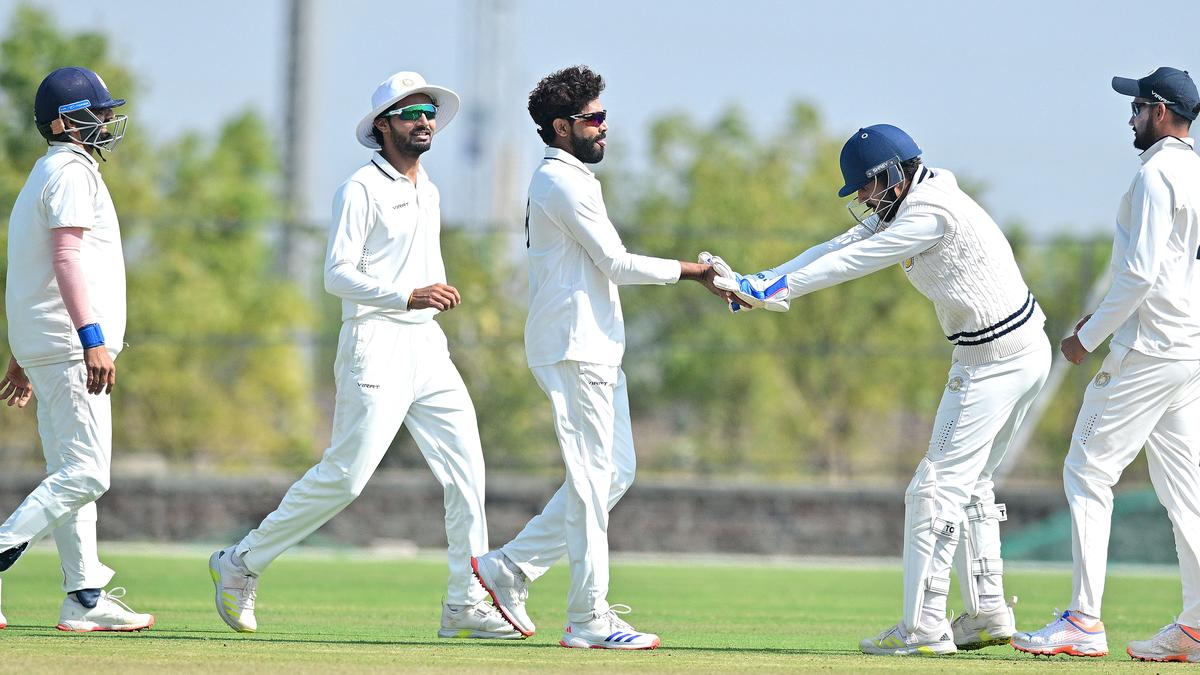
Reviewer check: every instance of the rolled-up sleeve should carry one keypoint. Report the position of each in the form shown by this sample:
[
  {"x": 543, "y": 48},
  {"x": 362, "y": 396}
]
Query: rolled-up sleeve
[
  {"x": 351, "y": 223},
  {"x": 579, "y": 208}
]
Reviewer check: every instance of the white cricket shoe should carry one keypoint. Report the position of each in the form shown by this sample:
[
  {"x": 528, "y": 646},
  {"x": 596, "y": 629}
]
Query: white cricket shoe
[
  {"x": 236, "y": 589},
  {"x": 1068, "y": 634},
  {"x": 607, "y": 631},
  {"x": 508, "y": 589},
  {"x": 896, "y": 641},
  {"x": 480, "y": 620},
  {"x": 108, "y": 614},
  {"x": 3, "y": 621},
  {"x": 985, "y": 629},
  {"x": 1173, "y": 643}
]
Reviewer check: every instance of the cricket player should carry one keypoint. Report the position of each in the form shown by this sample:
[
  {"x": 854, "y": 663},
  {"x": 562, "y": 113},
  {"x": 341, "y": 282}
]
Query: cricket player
[
  {"x": 574, "y": 343},
  {"x": 1147, "y": 391},
  {"x": 954, "y": 254},
  {"x": 65, "y": 301},
  {"x": 384, "y": 261}
]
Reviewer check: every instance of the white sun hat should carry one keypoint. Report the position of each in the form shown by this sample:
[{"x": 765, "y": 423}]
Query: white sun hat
[{"x": 397, "y": 87}]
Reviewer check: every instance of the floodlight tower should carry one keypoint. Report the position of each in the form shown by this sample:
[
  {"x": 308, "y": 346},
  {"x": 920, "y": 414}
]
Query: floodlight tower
[{"x": 297, "y": 158}]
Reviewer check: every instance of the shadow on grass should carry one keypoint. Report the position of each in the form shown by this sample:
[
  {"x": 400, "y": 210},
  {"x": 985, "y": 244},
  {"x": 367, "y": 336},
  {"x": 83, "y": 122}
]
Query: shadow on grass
[
  {"x": 216, "y": 635},
  {"x": 211, "y": 635}
]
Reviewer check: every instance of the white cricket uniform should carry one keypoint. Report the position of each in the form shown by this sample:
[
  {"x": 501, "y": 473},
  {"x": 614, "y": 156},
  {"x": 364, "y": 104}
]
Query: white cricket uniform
[
  {"x": 1147, "y": 391},
  {"x": 955, "y": 255},
  {"x": 65, "y": 189},
  {"x": 574, "y": 342},
  {"x": 393, "y": 366}
]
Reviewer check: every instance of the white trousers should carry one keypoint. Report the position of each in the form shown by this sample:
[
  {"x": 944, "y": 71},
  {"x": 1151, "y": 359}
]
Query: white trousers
[
  {"x": 1135, "y": 400},
  {"x": 952, "y": 491},
  {"x": 591, "y": 420},
  {"x": 386, "y": 374},
  {"x": 76, "y": 433}
]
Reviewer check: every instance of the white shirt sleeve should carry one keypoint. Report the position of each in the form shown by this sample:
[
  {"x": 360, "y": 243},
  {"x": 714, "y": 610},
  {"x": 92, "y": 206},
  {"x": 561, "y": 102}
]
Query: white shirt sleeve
[
  {"x": 856, "y": 233},
  {"x": 581, "y": 212},
  {"x": 1151, "y": 222},
  {"x": 70, "y": 197},
  {"x": 912, "y": 234},
  {"x": 351, "y": 224}
]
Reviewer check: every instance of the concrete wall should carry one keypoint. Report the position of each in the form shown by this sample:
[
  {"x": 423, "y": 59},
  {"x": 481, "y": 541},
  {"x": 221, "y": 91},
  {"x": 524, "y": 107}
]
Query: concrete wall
[{"x": 655, "y": 516}]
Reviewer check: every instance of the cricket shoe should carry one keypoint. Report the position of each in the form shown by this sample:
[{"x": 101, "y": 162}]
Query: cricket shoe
[
  {"x": 508, "y": 587},
  {"x": 607, "y": 631},
  {"x": 481, "y": 620},
  {"x": 896, "y": 641},
  {"x": 236, "y": 589},
  {"x": 985, "y": 629},
  {"x": 1068, "y": 634},
  {"x": 3, "y": 621},
  {"x": 1175, "y": 642},
  {"x": 108, "y": 614}
]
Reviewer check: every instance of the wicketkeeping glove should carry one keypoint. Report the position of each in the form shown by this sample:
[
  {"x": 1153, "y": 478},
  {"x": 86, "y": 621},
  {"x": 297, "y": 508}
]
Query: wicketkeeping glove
[
  {"x": 759, "y": 290},
  {"x": 724, "y": 271}
]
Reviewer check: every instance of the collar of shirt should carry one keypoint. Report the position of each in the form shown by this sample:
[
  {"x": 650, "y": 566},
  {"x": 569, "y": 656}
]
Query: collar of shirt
[
  {"x": 564, "y": 156},
  {"x": 1168, "y": 142},
  {"x": 390, "y": 171},
  {"x": 60, "y": 146}
]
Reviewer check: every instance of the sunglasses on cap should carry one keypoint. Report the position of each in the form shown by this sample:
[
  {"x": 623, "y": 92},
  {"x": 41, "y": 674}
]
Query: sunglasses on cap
[
  {"x": 592, "y": 119},
  {"x": 413, "y": 112}
]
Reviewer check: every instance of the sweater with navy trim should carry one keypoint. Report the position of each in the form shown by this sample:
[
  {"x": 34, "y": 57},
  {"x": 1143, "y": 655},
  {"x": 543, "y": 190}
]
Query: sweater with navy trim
[{"x": 982, "y": 302}]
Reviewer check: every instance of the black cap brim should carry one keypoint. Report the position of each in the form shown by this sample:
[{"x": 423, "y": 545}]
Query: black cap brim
[{"x": 1127, "y": 86}]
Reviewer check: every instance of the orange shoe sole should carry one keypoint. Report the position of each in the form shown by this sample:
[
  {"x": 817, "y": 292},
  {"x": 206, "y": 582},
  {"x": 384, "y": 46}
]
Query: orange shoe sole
[{"x": 1054, "y": 651}]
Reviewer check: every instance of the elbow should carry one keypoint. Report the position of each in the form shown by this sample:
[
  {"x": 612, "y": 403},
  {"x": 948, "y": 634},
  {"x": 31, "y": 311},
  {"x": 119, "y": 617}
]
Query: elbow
[{"x": 332, "y": 279}]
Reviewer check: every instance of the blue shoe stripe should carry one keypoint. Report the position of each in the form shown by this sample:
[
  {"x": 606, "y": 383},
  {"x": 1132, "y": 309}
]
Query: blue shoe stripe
[{"x": 614, "y": 637}]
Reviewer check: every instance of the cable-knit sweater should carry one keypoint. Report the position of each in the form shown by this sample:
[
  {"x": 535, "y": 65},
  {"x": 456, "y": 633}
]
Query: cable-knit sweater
[{"x": 953, "y": 253}]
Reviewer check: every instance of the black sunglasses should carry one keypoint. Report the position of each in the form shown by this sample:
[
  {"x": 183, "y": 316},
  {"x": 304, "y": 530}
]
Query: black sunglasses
[
  {"x": 1136, "y": 106},
  {"x": 592, "y": 119}
]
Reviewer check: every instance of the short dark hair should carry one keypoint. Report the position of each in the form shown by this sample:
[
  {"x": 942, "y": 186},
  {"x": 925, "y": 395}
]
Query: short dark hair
[
  {"x": 1180, "y": 119},
  {"x": 561, "y": 94},
  {"x": 910, "y": 167}
]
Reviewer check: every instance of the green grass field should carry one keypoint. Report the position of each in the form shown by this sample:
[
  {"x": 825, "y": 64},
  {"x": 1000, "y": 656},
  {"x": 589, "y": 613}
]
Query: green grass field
[{"x": 321, "y": 613}]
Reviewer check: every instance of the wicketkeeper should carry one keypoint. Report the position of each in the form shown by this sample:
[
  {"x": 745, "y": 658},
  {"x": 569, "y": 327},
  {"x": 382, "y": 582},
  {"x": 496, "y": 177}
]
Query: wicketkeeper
[{"x": 955, "y": 255}]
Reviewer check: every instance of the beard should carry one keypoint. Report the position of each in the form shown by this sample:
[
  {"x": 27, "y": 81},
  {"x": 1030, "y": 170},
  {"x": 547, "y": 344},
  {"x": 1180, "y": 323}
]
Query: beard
[
  {"x": 1143, "y": 139},
  {"x": 407, "y": 146},
  {"x": 587, "y": 150}
]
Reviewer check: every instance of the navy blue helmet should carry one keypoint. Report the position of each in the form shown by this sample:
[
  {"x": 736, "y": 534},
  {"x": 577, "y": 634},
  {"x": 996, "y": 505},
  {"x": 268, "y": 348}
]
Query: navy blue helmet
[
  {"x": 873, "y": 150},
  {"x": 69, "y": 98}
]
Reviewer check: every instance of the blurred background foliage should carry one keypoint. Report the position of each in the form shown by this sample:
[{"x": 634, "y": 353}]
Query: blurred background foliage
[{"x": 229, "y": 365}]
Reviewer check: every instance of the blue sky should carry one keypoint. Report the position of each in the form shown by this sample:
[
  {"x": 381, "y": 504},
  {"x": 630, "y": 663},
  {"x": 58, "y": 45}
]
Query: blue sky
[{"x": 1014, "y": 94}]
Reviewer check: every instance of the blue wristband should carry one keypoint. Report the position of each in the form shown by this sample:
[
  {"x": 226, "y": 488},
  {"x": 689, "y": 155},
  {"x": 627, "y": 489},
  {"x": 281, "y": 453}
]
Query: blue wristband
[{"x": 91, "y": 336}]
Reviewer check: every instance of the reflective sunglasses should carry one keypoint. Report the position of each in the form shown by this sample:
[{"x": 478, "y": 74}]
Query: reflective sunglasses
[
  {"x": 592, "y": 119},
  {"x": 413, "y": 112},
  {"x": 1136, "y": 106}
]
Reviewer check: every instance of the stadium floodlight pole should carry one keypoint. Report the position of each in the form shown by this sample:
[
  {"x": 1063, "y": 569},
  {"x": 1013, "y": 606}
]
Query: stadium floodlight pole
[
  {"x": 1058, "y": 372},
  {"x": 297, "y": 163}
]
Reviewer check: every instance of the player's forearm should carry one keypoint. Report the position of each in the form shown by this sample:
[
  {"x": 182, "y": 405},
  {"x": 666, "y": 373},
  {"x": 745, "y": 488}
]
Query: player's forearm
[
  {"x": 627, "y": 269},
  {"x": 1127, "y": 293},
  {"x": 66, "y": 256},
  {"x": 814, "y": 253},
  {"x": 343, "y": 280}
]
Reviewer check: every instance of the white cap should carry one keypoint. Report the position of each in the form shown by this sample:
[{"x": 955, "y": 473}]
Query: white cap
[{"x": 397, "y": 87}]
